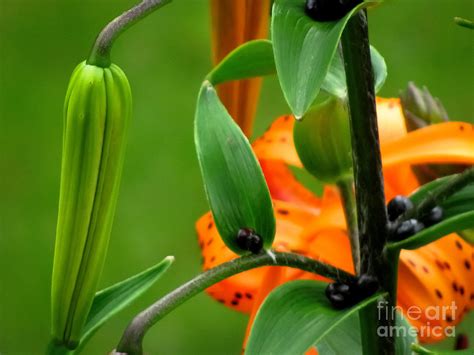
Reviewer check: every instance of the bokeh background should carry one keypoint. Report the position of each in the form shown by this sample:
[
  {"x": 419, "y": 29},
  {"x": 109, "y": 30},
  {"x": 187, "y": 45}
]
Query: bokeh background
[{"x": 165, "y": 57}]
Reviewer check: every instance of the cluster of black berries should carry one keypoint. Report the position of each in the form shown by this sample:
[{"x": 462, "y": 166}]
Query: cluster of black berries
[
  {"x": 247, "y": 239},
  {"x": 329, "y": 10},
  {"x": 344, "y": 295},
  {"x": 404, "y": 229}
]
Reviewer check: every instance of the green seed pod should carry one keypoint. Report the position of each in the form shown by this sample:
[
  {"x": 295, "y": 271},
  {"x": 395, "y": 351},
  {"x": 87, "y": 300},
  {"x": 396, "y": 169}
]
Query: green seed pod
[
  {"x": 323, "y": 141},
  {"x": 97, "y": 111}
]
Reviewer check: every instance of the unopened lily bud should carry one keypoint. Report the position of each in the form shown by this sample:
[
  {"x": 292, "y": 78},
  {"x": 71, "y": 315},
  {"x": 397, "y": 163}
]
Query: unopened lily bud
[
  {"x": 421, "y": 108},
  {"x": 97, "y": 111},
  {"x": 323, "y": 141}
]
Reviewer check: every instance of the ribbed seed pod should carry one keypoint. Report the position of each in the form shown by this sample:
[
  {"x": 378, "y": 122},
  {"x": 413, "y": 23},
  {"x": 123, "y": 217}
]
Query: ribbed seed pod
[
  {"x": 323, "y": 141},
  {"x": 97, "y": 111}
]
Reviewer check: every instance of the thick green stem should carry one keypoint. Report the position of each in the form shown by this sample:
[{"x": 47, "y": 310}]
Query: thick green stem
[
  {"x": 100, "y": 53},
  {"x": 370, "y": 198},
  {"x": 345, "y": 187},
  {"x": 131, "y": 342}
]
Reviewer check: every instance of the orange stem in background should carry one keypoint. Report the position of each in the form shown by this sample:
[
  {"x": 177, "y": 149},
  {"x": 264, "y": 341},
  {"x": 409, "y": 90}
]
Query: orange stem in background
[{"x": 235, "y": 22}]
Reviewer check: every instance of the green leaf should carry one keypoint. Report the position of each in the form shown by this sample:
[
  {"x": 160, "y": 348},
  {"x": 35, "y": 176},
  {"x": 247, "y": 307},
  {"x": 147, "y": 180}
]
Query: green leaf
[
  {"x": 113, "y": 299},
  {"x": 254, "y": 58},
  {"x": 235, "y": 186},
  {"x": 460, "y": 202},
  {"x": 347, "y": 336},
  {"x": 458, "y": 212},
  {"x": 303, "y": 50},
  {"x": 450, "y": 225},
  {"x": 296, "y": 316},
  {"x": 335, "y": 80}
]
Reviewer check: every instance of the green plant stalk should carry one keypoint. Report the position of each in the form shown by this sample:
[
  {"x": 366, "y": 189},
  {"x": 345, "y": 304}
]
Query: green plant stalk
[
  {"x": 132, "y": 338},
  {"x": 350, "y": 212},
  {"x": 370, "y": 198},
  {"x": 100, "y": 53}
]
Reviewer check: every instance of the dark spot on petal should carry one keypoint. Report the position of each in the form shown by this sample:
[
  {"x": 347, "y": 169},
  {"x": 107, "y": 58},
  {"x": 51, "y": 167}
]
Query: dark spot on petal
[
  {"x": 210, "y": 241},
  {"x": 248, "y": 295},
  {"x": 283, "y": 212},
  {"x": 461, "y": 290},
  {"x": 455, "y": 286},
  {"x": 449, "y": 319},
  {"x": 213, "y": 259},
  {"x": 446, "y": 264},
  {"x": 458, "y": 244},
  {"x": 286, "y": 118},
  {"x": 210, "y": 225},
  {"x": 439, "y": 294},
  {"x": 221, "y": 300},
  {"x": 268, "y": 140},
  {"x": 467, "y": 264},
  {"x": 283, "y": 140},
  {"x": 472, "y": 296},
  {"x": 234, "y": 302},
  {"x": 425, "y": 269},
  {"x": 238, "y": 295},
  {"x": 411, "y": 262},
  {"x": 461, "y": 128},
  {"x": 439, "y": 264},
  {"x": 201, "y": 244}
]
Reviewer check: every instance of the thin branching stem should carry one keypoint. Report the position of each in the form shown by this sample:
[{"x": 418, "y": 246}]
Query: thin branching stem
[
  {"x": 132, "y": 338},
  {"x": 346, "y": 189},
  {"x": 100, "y": 53}
]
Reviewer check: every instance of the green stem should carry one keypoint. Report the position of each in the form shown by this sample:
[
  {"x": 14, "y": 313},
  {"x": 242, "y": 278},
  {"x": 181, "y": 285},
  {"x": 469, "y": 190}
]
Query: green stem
[
  {"x": 371, "y": 211},
  {"x": 100, "y": 53},
  {"x": 132, "y": 338},
  {"x": 345, "y": 187},
  {"x": 435, "y": 198}
]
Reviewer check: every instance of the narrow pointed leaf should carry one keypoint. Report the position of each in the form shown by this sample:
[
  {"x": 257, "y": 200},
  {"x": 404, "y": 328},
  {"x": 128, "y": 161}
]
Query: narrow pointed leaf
[
  {"x": 235, "y": 186},
  {"x": 113, "y": 299},
  {"x": 303, "y": 50},
  {"x": 453, "y": 224},
  {"x": 296, "y": 316},
  {"x": 256, "y": 58},
  {"x": 460, "y": 202}
]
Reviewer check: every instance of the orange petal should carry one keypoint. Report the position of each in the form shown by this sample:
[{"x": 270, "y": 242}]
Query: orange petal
[
  {"x": 284, "y": 186},
  {"x": 449, "y": 142},
  {"x": 239, "y": 291},
  {"x": 277, "y": 142},
  {"x": 234, "y": 23},
  {"x": 391, "y": 121},
  {"x": 399, "y": 180},
  {"x": 436, "y": 278}
]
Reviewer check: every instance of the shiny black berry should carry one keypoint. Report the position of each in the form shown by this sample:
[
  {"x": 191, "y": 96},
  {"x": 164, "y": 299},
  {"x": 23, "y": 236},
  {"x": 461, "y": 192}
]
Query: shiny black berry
[
  {"x": 397, "y": 206},
  {"x": 433, "y": 217},
  {"x": 329, "y": 10},
  {"x": 340, "y": 295},
  {"x": 247, "y": 239},
  {"x": 407, "y": 229}
]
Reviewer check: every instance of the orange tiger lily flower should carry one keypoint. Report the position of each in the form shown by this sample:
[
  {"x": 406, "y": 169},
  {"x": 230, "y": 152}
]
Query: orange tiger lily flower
[{"x": 434, "y": 275}]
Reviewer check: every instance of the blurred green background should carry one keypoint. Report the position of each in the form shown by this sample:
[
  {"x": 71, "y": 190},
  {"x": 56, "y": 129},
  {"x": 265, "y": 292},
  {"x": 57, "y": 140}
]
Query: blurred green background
[{"x": 165, "y": 57}]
